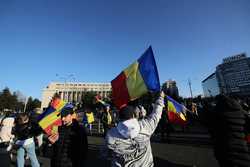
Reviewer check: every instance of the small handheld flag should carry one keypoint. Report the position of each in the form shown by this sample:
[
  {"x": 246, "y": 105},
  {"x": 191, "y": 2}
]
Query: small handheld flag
[
  {"x": 50, "y": 118},
  {"x": 98, "y": 100},
  {"x": 176, "y": 112}
]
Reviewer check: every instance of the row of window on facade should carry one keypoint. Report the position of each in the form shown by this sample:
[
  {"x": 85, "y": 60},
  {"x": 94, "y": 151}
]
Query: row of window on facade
[
  {"x": 84, "y": 90},
  {"x": 104, "y": 85},
  {"x": 78, "y": 96}
]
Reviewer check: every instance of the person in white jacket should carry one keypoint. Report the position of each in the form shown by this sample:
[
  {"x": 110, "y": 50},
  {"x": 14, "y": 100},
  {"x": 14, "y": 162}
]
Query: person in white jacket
[
  {"x": 6, "y": 139},
  {"x": 129, "y": 142},
  {"x": 7, "y": 123}
]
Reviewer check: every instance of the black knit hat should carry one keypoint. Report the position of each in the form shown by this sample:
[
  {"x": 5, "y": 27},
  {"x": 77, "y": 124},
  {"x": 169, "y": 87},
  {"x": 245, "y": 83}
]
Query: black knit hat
[
  {"x": 66, "y": 111},
  {"x": 127, "y": 113}
]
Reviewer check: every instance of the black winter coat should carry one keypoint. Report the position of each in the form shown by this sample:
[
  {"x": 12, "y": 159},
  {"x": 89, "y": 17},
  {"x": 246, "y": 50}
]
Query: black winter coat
[
  {"x": 71, "y": 148},
  {"x": 226, "y": 126},
  {"x": 24, "y": 131}
]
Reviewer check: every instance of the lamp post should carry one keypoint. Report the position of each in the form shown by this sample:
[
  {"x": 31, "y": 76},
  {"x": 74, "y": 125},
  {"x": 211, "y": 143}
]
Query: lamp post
[
  {"x": 25, "y": 105},
  {"x": 73, "y": 81},
  {"x": 190, "y": 88},
  {"x": 65, "y": 79}
]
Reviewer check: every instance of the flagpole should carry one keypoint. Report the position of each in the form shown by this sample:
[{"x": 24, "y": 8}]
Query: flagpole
[
  {"x": 189, "y": 83},
  {"x": 25, "y": 105}
]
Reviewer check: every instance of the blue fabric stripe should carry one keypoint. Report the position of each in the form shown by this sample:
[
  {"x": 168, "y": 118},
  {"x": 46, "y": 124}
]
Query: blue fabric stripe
[
  {"x": 148, "y": 70},
  {"x": 51, "y": 109},
  {"x": 179, "y": 107},
  {"x": 48, "y": 111}
]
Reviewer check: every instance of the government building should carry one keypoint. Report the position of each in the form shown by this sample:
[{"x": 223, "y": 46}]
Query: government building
[{"x": 73, "y": 91}]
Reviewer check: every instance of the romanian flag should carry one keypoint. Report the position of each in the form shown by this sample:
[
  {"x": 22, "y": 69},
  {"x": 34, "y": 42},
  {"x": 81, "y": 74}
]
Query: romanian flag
[
  {"x": 50, "y": 118},
  {"x": 136, "y": 80},
  {"x": 176, "y": 112},
  {"x": 98, "y": 100}
]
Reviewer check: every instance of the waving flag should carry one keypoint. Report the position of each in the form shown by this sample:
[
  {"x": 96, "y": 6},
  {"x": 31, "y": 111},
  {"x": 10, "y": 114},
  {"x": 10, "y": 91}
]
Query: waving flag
[
  {"x": 176, "y": 112},
  {"x": 50, "y": 118},
  {"x": 98, "y": 100},
  {"x": 136, "y": 80}
]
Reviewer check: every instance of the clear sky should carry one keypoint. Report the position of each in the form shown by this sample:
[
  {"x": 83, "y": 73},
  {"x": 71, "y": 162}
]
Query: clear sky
[{"x": 96, "y": 39}]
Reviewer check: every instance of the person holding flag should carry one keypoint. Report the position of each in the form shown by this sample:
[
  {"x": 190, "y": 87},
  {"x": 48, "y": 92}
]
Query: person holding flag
[
  {"x": 129, "y": 141},
  {"x": 70, "y": 144},
  {"x": 68, "y": 138}
]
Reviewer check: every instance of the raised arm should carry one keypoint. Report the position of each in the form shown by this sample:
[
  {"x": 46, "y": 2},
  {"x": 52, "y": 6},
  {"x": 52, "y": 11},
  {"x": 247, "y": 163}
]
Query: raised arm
[{"x": 149, "y": 124}]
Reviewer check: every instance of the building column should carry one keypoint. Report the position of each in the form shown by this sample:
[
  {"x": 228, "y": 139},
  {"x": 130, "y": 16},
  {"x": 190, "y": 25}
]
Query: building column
[
  {"x": 75, "y": 98},
  {"x": 61, "y": 95},
  {"x": 78, "y": 96},
  {"x": 72, "y": 96},
  {"x": 82, "y": 95},
  {"x": 64, "y": 95},
  {"x": 68, "y": 96}
]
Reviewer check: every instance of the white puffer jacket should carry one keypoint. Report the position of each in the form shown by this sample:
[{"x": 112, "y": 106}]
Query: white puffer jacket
[{"x": 130, "y": 140}]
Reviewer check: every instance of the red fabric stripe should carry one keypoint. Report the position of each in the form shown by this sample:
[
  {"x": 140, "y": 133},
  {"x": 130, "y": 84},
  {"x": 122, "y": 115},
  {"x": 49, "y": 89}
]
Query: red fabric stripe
[
  {"x": 176, "y": 119},
  {"x": 49, "y": 128},
  {"x": 55, "y": 103},
  {"x": 120, "y": 91}
]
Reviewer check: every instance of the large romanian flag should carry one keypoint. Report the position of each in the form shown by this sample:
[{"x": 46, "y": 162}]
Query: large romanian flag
[
  {"x": 136, "y": 80},
  {"x": 176, "y": 112},
  {"x": 51, "y": 118}
]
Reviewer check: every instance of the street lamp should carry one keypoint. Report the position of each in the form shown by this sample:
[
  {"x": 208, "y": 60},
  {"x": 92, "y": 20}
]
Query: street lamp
[
  {"x": 65, "y": 79},
  {"x": 25, "y": 105}
]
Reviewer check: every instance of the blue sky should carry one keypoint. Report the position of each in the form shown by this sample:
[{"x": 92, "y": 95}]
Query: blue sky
[{"x": 96, "y": 39}]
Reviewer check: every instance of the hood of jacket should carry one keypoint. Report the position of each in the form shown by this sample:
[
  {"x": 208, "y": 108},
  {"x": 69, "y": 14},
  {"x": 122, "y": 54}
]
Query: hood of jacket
[{"x": 129, "y": 128}]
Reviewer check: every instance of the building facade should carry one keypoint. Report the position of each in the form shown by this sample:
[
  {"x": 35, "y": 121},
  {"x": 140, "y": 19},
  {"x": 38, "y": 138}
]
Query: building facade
[
  {"x": 73, "y": 91},
  {"x": 233, "y": 75},
  {"x": 210, "y": 86},
  {"x": 170, "y": 88}
]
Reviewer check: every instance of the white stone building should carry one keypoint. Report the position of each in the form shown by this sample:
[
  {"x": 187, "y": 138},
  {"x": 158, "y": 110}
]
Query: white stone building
[{"x": 73, "y": 91}]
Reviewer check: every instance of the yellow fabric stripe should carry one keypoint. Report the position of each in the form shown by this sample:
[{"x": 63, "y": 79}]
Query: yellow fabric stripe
[
  {"x": 90, "y": 117},
  {"x": 48, "y": 120},
  {"x": 61, "y": 105},
  {"x": 182, "y": 116},
  {"x": 52, "y": 117},
  {"x": 171, "y": 107},
  {"x": 135, "y": 83}
]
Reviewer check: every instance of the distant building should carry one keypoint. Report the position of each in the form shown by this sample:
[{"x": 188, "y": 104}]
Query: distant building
[
  {"x": 74, "y": 91},
  {"x": 210, "y": 86},
  {"x": 170, "y": 88},
  {"x": 234, "y": 75}
]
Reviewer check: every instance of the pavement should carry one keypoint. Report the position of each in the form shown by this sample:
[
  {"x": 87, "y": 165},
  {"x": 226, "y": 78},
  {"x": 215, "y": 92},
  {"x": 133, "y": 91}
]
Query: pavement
[
  {"x": 181, "y": 151},
  {"x": 191, "y": 148},
  {"x": 169, "y": 154}
]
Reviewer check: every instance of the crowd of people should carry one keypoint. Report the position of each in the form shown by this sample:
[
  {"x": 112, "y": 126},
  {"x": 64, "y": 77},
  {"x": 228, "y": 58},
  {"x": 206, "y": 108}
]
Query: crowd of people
[{"x": 127, "y": 133}]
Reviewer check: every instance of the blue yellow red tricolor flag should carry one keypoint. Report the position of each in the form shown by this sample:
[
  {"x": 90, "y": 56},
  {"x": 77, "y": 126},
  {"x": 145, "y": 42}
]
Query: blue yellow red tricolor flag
[
  {"x": 176, "y": 112},
  {"x": 136, "y": 80},
  {"x": 50, "y": 117},
  {"x": 98, "y": 100}
]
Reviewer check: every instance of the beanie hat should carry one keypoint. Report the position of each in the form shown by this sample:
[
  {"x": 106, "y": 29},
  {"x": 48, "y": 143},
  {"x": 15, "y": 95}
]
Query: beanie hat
[{"x": 66, "y": 110}]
